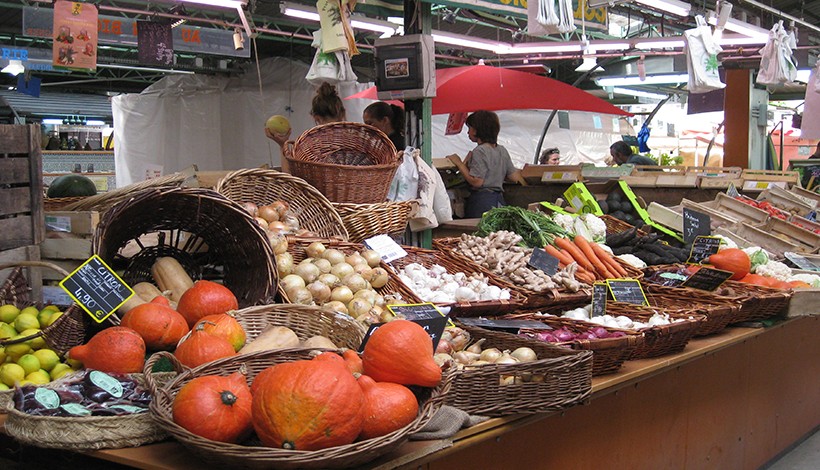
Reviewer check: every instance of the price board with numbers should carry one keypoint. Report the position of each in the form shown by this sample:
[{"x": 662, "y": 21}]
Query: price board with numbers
[
  {"x": 703, "y": 248},
  {"x": 600, "y": 292},
  {"x": 96, "y": 288},
  {"x": 695, "y": 224},
  {"x": 707, "y": 279},
  {"x": 627, "y": 290}
]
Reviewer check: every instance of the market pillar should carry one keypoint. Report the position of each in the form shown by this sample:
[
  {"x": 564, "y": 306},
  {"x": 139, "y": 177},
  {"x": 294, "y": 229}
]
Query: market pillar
[{"x": 737, "y": 114}]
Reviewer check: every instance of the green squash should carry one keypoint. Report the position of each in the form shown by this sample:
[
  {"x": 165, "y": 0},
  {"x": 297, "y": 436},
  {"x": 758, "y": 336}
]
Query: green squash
[{"x": 71, "y": 186}]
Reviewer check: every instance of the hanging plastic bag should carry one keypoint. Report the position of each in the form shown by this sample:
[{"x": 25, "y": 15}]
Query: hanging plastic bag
[
  {"x": 777, "y": 63},
  {"x": 810, "y": 128},
  {"x": 332, "y": 26},
  {"x": 701, "y": 58},
  {"x": 346, "y": 73},
  {"x": 405, "y": 184},
  {"x": 566, "y": 19},
  {"x": 325, "y": 66}
]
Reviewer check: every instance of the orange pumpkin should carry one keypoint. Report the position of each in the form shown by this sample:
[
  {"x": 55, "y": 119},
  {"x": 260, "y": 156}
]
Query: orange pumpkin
[
  {"x": 117, "y": 349},
  {"x": 160, "y": 326},
  {"x": 307, "y": 405},
  {"x": 387, "y": 407},
  {"x": 401, "y": 352},
  {"x": 755, "y": 279},
  {"x": 215, "y": 407},
  {"x": 202, "y": 347},
  {"x": 353, "y": 361},
  {"x": 225, "y": 326},
  {"x": 734, "y": 260},
  {"x": 205, "y": 298},
  {"x": 798, "y": 285}
]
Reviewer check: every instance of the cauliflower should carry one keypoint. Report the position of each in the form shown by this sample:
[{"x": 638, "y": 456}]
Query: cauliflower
[
  {"x": 774, "y": 269},
  {"x": 810, "y": 279},
  {"x": 596, "y": 227},
  {"x": 757, "y": 255},
  {"x": 564, "y": 221},
  {"x": 726, "y": 242},
  {"x": 632, "y": 260}
]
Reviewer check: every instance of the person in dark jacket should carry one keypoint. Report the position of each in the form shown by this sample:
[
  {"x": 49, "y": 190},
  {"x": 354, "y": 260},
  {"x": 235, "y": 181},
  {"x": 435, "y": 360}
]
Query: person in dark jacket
[
  {"x": 622, "y": 153},
  {"x": 387, "y": 118}
]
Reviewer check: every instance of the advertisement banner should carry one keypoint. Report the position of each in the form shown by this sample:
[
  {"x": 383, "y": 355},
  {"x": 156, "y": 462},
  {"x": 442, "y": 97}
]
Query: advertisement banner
[
  {"x": 75, "y": 35},
  {"x": 155, "y": 44},
  {"x": 595, "y": 18}
]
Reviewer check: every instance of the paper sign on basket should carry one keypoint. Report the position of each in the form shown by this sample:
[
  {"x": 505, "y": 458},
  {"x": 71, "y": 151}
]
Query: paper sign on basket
[{"x": 386, "y": 247}]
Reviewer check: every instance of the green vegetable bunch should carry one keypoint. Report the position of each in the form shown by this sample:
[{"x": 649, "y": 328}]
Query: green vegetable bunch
[{"x": 535, "y": 228}]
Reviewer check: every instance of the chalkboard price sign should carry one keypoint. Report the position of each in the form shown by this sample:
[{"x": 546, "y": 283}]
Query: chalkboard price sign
[
  {"x": 702, "y": 248},
  {"x": 425, "y": 311},
  {"x": 96, "y": 288},
  {"x": 544, "y": 261},
  {"x": 707, "y": 279},
  {"x": 433, "y": 326},
  {"x": 511, "y": 326},
  {"x": 599, "y": 295},
  {"x": 695, "y": 224},
  {"x": 627, "y": 290}
]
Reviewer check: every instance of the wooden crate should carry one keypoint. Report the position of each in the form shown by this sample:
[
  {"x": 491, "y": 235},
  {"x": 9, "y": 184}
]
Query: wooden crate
[
  {"x": 21, "y": 186},
  {"x": 758, "y": 180},
  {"x": 718, "y": 219},
  {"x": 806, "y": 241},
  {"x": 809, "y": 197},
  {"x": 552, "y": 174},
  {"x": 666, "y": 216},
  {"x": 717, "y": 177},
  {"x": 785, "y": 200},
  {"x": 68, "y": 240},
  {"x": 731, "y": 207},
  {"x": 764, "y": 239}
]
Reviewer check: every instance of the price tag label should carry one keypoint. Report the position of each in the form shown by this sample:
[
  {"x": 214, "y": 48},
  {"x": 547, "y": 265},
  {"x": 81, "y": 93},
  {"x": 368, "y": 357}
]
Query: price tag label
[
  {"x": 599, "y": 295},
  {"x": 425, "y": 311},
  {"x": 510, "y": 326},
  {"x": 695, "y": 224},
  {"x": 732, "y": 190},
  {"x": 96, "y": 288},
  {"x": 707, "y": 279},
  {"x": 544, "y": 261},
  {"x": 702, "y": 248},
  {"x": 433, "y": 326},
  {"x": 627, "y": 290},
  {"x": 386, "y": 247},
  {"x": 802, "y": 262}
]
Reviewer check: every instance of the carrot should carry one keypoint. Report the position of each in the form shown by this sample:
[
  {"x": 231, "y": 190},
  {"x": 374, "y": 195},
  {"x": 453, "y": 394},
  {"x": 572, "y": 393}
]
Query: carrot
[
  {"x": 562, "y": 257},
  {"x": 609, "y": 260},
  {"x": 575, "y": 252},
  {"x": 585, "y": 248}
]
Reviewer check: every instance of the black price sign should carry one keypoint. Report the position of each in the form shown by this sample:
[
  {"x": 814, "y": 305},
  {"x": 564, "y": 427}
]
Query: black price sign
[
  {"x": 627, "y": 290},
  {"x": 511, "y": 326},
  {"x": 433, "y": 326},
  {"x": 599, "y": 295},
  {"x": 707, "y": 279},
  {"x": 425, "y": 311},
  {"x": 702, "y": 248},
  {"x": 96, "y": 288},
  {"x": 544, "y": 261},
  {"x": 695, "y": 224},
  {"x": 732, "y": 190}
]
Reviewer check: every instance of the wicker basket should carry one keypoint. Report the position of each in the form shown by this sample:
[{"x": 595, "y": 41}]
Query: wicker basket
[
  {"x": 364, "y": 183},
  {"x": 756, "y": 302},
  {"x": 58, "y": 203},
  {"x": 363, "y": 221},
  {"x": 262, "y": 186},
  {"x": 394, "y": 286},
  {"x": 104, "y": 201},
  {"x": 558, "y": 379},
  {"x": 453, "y": 265},
  {"x": 614, "y": 225},
  {"x": 305, "y": 321},
  {"x": 718, "y": 311},
  {"x": 86, "y": 433},
  {"x": 211, "y": 236},
  {"x": 256, "y": 456}
]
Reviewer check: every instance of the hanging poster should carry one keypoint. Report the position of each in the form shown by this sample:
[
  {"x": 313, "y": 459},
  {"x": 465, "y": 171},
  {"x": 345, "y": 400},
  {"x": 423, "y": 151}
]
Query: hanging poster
[
  {"x": 155, "y": 43},
  {"x": 75, "y": 35},
  {"x": 455, "y": 123}
]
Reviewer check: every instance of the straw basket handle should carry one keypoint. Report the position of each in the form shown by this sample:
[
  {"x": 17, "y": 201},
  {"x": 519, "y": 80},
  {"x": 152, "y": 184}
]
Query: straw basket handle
[
  {"x": 149, "y": 366},
  {"x": 34, "y": 264},
  {"x": 287, "y": 149}
]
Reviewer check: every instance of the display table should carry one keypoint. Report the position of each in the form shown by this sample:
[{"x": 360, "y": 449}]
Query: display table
[{"x": 732, "y": 400}]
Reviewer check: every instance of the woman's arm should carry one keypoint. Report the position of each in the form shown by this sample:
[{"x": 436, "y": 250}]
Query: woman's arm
[
  {"x": 517, "y": 177},
  {"x": 470, "y": 179},
  {"x": 280, "y": 139}
]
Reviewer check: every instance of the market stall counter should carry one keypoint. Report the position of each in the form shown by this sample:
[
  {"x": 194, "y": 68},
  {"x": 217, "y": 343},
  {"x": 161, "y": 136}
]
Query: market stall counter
[{"x": 731, "y": 400}]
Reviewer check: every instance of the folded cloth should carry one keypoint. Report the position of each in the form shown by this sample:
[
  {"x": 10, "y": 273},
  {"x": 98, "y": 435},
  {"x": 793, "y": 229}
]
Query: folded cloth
[{"x": 446, "y": 423}]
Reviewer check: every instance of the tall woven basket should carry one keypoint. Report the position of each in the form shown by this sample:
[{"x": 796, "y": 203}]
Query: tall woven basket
[
  {"x": 346, "y": 161},
  {"x": 263, "y": 186},
  {"x": 211, "y": 236},
  {"x": 363, "y": 221}
]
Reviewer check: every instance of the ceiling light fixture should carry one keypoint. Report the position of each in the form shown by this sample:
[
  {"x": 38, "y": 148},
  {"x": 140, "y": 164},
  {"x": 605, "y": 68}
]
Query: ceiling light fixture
[
  {"x": 659, "y": 43},
  {"x": 220, "y": 3},
  {"x": 747, "y": 29},
  {"x": 670, "y": 6},
  {"x": 638, "y": 93},
  {"x": 387, "y": 28},
  {"x": 649, "y": 80},
  {"x": 15, "y": 67}
]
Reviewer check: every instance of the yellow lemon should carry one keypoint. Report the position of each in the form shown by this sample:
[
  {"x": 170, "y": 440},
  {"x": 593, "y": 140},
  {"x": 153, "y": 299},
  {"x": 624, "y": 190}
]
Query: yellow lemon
[
  {"x": 60, "y": 370},
  {"x": 26, "y": 321},
  {"x": 48, "y": 358},
  {"x": 2, "y": 354},
  {"x": 36, "y": 343},
  {"x": 54, "y": 317},
  {"x": 6, "y": 331},
  {"x": 4, "y": 387},
  {"x": 30, "y": 310},
  {"x": 74, "y": 364},
  {"x": 16, "y": 351},
  {"x": 29, "y": 363},
  {"x": 11, "y": 373},
  {"x": 25, "y": 382},
  {"x": 39, "y": 377},
  {"x": 52, "y": 308},
  {"x": 8, "y": 313},
  {"x": 42, "y": 317}
]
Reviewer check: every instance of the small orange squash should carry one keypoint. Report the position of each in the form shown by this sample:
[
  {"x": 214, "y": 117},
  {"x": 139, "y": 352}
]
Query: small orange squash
[
  {"x": 117, "y": 349},
  {"x": 755, "y": 279},
  {"x": 798, "y": 285},
  {"x": 215, "y": 407},
  {"x": 307, "y": 405},
  {"x": 201, "y": 347},
  {"x": 160, "y": 326},
  {"x": 225, "y": 326},
  {"x": 734, "y": 260},
  {"x": 401, "y": 352},
  {"x": 353, "y": 361},
  {"x": 205, "y": 298},
  {"x": 387, "y": 407}
]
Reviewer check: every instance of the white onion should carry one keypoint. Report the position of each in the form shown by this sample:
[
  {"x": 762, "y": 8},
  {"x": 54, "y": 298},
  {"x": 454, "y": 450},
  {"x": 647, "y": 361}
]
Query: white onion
[
  {"x": 379, "y": 278},
  {"x": 323, "y": 265},
  {"x": 291, "y": 281},
  {"x": 524, "y": 354},
  {"x": 278, "y": 242},
  {"x": 319, "y": 291},
  {"x": 355, "y": 259},
  {"x": 490, "y": 354},
  {"x": 315, "y": 249},
  {"x": 334, "y": 256},
  {"x": 379, "y": 300},
  {"x": 329, "y": 279},
  {"x": 506, "y": 358},
  {"x": 341, "y": 270},
  {"x": 359, "y": 306},
  {"x": 252, "y": 209},
  {"x": 364, "y": 270},
  {"x": 372, "y": 257},
  {"x": 268, "y": 213},
  {"x": 307, "y": 271},
  {"x": 262, "y": 222},
  {"x": 284, "y": 264},
  {"x": 384, "y": 314},
  {"x": 367, "y": 294},
  {"x": 300, "y": 295},
  {"x": 336, "y": 306},
  {"x": 342, "y": 294},
  {"x": 355, "y": 281}
]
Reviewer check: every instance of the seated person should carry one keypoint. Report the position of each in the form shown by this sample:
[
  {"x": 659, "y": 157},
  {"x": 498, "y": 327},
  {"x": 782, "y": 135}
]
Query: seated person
[{"x": 622, "y": 153}]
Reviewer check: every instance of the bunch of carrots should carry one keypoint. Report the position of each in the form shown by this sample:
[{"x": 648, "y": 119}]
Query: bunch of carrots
[{"x": 594, "y": 263}]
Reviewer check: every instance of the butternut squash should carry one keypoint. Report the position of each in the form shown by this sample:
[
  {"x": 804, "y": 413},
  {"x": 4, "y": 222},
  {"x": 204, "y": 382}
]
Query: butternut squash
[
  {"x": 171, "y": 276},
  {"x": 275, "y": 337},
  {"x": 319, "y": 341},
  {"x": 144, "y": 292}
]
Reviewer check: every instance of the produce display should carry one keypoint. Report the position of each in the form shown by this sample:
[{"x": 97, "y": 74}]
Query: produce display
[
  {"x": 566, "y": 334},
  {"x": 594, "y": 262},
  {"x": 767, "y": 206},
  {"x": 535, "y": 228},
  {"x": 620, "y": 321},
  {"x": 277, "y": 219},
  {"x": 589, "y": 226},
  {"x": 619, "y": 206},
  {"x": 438, "y": 286},
  {"x": 649, "y": 248}
]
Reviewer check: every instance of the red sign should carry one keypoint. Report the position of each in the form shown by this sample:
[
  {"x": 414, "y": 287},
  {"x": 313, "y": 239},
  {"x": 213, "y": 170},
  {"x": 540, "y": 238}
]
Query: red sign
[
  {"x": 75, "y": 35},
  {"x": 455, "y": 122}
]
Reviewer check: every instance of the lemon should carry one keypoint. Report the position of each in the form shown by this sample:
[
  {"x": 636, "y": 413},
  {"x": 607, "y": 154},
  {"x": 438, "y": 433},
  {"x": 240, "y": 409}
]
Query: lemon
[
  {"x": 29, "y": 363},
  {"x": 60, "y": 370},
  {"x": 26, "y": 321},
  {"x": 48, "y": 358},
  {"x": 54, "y": 317},
  {"x": 8, "y": 313},
  {"x": 52, "y": 308},
  {"x": 25, "y": 382},
  {"x": 16, "y": 351},
  {"x": 39, "y": 377},
  {"x": 2, "y": 354},
  {"x": 4, "y": 387},
  {"x": 6, "y": 331},
  {"x": 42, "y": 318},
  {"x": 11, "y": 373},
  {"x": 74, "y": 364},
  {"x": 36, "y": 343}
]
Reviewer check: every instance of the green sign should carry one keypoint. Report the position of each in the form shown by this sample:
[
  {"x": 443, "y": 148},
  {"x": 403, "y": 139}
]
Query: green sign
[{"x": 594, "y": 18}]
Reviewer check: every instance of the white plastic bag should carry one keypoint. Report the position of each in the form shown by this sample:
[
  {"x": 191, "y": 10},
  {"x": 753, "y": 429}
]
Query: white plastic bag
[
  {"x": 701, "y": 58},
  {"x": 810, "y": 128},
  {"x": 330, "y": 67},
  {"x": 405, "y": 184},
  {"x": 777, "y": 63}
]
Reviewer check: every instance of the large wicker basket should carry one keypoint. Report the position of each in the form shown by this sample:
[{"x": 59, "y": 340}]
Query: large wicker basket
[
  {"x": 263, "y": 186},
  {"x": 363, "y": 221},
  {"x": 718, "y": 311},
  {"x": 211, "y": 236},
  {"x": 364, "y": 183},
  {"x": 558, "y": 379},
  {"x": 255, "y": 456},
  {"x": 103, "y": 201}
]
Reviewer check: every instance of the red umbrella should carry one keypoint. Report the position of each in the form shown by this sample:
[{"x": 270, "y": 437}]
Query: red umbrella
[{"x": 474, "y": 87}]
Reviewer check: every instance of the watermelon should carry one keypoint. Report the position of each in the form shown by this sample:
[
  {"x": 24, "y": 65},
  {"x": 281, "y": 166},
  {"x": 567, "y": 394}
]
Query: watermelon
[{"x": 71, "y": 186}]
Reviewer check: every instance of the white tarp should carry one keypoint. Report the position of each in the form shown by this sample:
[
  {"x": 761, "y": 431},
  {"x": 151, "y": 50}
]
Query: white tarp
[{"x": 217, "y": 123}]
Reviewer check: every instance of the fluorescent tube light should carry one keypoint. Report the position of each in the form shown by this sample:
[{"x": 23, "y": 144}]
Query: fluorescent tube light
[
  {"x": 635, "y": 80},
  {"x": 670, "y": 6},
  {"x": 15, "y": 67},
  {"x": 95, "y": 123},
  {"x": 658, "y": 43},
  {"x": 741, "y": 40},
  {"x": 638, "y": 93},
  {"x": 356, "y": 21},
  {"x": 747, "y": 29},
  {"x": 53, "y": 122},
  {"x": 144, "y": 69},
  {"x": 466, "y": 41},
  {"x": 220, "y": 3},
  {"x": 803, "y": 75}
]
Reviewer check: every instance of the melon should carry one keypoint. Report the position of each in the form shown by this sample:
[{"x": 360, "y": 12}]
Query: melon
[
  {"x": 71, "y": 186},
  {"x": 278, "y": 124}
]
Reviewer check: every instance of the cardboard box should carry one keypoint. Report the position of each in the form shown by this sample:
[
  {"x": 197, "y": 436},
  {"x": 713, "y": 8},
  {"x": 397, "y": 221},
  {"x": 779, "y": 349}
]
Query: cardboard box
[{"x": 71, "y": 224}]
